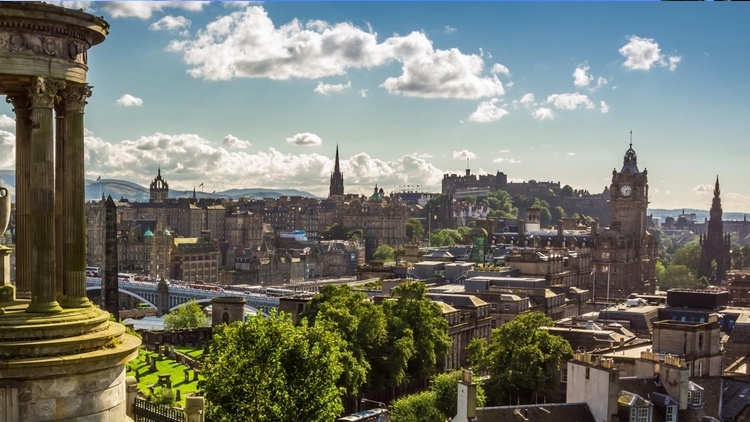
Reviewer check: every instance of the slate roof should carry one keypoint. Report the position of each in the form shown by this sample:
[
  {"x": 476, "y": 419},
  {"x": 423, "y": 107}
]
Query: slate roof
[{"x": 558, "y": 412}]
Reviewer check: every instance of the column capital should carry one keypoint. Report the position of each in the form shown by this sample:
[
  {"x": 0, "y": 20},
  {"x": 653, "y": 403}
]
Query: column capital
[
  {"x": 21, "y": 103},
  {"x": 42, "y": 91},
  {"x": 74, "y": 97}
]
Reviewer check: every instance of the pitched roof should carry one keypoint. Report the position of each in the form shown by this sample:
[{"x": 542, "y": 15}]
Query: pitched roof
[{"x": 557, "y": 412}]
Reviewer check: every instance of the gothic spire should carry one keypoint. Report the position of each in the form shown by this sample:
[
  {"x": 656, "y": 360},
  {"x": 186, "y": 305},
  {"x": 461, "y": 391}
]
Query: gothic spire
[
  {"x": 717, "y": 190},
  {"x": 336, "y": 168},
  {"x": 337, "y": 179}
]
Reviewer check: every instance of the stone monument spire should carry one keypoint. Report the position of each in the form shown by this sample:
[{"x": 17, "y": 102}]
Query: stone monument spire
[{"x": 715, "y": 246}]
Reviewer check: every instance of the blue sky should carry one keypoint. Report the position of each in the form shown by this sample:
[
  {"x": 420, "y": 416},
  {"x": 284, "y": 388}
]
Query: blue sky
[{"x": 258, "y": 95}]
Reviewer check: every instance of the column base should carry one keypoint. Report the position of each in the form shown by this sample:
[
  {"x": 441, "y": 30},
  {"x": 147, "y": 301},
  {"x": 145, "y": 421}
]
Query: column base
[
  {"x": 75, "y": 302},
  {"x": 44, "y": 308}
]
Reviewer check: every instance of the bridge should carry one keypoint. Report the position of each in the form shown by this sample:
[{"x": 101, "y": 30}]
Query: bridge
[{"x": 179, "y": 295}]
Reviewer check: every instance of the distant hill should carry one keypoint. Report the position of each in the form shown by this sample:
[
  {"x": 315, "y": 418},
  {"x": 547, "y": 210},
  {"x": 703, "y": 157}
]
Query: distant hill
[
  {"x": 134, "y": 192},
  {"x": 699, "y": 214}
]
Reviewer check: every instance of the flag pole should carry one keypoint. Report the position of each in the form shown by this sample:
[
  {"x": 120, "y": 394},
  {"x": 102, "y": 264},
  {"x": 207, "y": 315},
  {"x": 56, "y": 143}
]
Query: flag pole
[{"x": 609, "y": 277}]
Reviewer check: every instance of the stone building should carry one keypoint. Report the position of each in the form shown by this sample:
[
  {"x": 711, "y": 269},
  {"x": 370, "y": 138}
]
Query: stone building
[
  {"x": 625, "y": 254},
  {"x": 195, "y": 259},
  {"x": 468, "y": 318},
  {"x": 697, "y": 343},
  {"x": 381, "y": 219},
  {"x": 716, "y": 258},
  {"x": 144, "y": 247}
]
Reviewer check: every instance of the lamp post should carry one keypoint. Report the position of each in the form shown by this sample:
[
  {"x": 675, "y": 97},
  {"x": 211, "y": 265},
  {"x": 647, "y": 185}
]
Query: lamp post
[{"x": 383, "y": 416}]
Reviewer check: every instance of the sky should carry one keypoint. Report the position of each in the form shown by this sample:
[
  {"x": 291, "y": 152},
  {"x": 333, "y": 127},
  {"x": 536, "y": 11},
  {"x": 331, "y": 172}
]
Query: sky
[{"x": 243, "y": 95}]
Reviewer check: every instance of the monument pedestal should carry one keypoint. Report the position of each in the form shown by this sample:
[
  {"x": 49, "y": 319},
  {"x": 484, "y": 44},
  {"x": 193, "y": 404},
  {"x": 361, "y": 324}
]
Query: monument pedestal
[{"x": 7, "y": 290}]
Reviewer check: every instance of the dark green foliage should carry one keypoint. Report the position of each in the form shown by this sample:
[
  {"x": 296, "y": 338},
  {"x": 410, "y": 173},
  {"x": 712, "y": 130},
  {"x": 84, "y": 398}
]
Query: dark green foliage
[
  {"x": 680, "y": 276},
  {"x": 414, "y": 228},
  {"x": 436, "y": 404},
  {"x": 361, "y": 325},
  {"x": 335, "y": 232},
  {"x": 268, "y": 370},
  {"x": 384, "y": 253},
  {"x": 522, "y": 359}
]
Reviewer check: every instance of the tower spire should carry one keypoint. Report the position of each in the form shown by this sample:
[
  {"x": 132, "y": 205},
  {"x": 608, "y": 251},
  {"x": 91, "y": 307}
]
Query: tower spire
[
  {"x": 717, "y": 190},
  {"x": 336, "y": 168},
  {"x": 631, "y": 138},
  {"x": 336, "y": 188}
]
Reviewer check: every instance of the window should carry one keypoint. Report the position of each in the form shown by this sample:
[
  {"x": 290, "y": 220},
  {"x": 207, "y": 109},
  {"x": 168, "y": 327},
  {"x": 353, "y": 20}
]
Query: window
[
  {"x": 671, "y": 415},
  {"x": 700, "y": 342},
  {"x": 640, "y": 414},
  {"x": 564, "y": 374},
  {"x": 588, "y": 372},
  {"x": 507, "y": 307},
  {"x": 700, "y": 368},
  {"x": 694, "y": 398}
]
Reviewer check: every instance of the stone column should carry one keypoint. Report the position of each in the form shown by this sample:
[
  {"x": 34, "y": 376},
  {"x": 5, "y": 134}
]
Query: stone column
[
  {"x": 59, "y": 196},
  {"x": 24, "y": 227},
  {"x": 42, "y": 94},
  {"x": 73, "y": 202}
]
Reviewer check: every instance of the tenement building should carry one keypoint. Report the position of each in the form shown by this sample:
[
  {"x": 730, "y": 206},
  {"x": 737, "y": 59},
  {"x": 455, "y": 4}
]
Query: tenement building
[{"x": 625, "y": 253}]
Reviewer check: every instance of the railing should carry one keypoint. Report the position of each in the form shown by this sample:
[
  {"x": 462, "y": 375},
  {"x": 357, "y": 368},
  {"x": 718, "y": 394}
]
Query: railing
[{"x": 145, "y": 411}]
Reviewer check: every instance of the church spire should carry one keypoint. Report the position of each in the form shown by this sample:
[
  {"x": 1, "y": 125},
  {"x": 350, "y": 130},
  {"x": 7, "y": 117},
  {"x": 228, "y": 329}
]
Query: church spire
[
  {"x": 717, "y": 190},
  {"x": 337, "y": 179}
]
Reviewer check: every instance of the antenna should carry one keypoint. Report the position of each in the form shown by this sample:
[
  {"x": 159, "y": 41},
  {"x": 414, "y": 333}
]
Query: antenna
[{"x": 631, "y": 138}]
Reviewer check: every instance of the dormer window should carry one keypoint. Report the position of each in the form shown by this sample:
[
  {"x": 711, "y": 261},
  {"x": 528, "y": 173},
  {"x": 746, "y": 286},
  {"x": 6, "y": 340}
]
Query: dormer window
[
  {"x": 671, "y": 415},
  {"x": 640, "y": 414},
  {"x": 695, "y": 398}
]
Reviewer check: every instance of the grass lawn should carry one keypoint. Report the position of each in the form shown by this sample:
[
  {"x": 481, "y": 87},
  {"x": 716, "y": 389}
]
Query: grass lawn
[
  {"x": 195, "y": 353},
  {"x": 164, "y": 366}
]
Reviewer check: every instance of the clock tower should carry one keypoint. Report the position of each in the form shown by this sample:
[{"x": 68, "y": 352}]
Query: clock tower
[{"x": 625, "y": 253}]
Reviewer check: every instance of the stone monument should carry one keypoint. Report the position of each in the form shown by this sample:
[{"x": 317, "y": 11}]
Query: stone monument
[
  {"x": 7, "y": 290},
  {"x": 61, "y": 358}
]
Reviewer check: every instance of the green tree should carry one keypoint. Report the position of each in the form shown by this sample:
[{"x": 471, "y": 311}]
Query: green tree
[
  {"x": 420, "y": 407},
  {"x": 269, "y": 370},
  {"x": 361, "y": 325},
  {"x": 660, "y": 268},
  {"x": 436, "y": 404},
  {"x": 446, "y": 237},
  {"x": 567, "y": 191},
  {"x": 414, "y": 228},
  {"x": 680, "y": 277},
  {"x": 689, "y": 256},
  {"x": 189, "y": 315},
  {"x": 334, "y": 232},
  {"x": 558, "y": 213},
  {"x": 414, "y": 316},
  {"x": 521, "y": 357},
  {"x": 471, "y": 200},
  {"x": 383, "y": 253}
]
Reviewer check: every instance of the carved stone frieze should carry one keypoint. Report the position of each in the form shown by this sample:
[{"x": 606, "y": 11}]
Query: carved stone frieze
[{"x": 43, "y": 45}]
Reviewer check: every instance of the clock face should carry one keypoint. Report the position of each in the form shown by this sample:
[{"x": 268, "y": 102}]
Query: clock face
[{"x": 626, "y": 190}]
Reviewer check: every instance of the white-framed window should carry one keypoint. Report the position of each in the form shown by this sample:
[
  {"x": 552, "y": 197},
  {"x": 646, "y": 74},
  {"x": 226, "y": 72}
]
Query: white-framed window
[
  {"x": 671, "y": 415},
  {"x": 700, "y": 368},
  {"x": 506, "y": 307},
  {"x": 644, "y": 414},
  {"x": 695, "y": 398},
  {"x": 564, "y": 374}
]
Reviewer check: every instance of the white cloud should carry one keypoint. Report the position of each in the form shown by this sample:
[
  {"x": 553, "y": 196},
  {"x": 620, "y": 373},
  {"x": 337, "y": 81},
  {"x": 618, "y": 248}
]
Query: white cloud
[
  {"x": 506, "y": 160},
  {"x": 600, "y": 82},
  {"x": 247, "y": 44},
  {"x": 603, "y": 107},
  {"x": 543, "y": 113},
  {"x": 7, "y": 150},
  {"x": 87, "y": 6},
  {"x": 234, "y": 142},
  {"x": 171, "y": 23},
  {"x": 703, "y": 189},
  {"x": 527, "y": 99},
  {"x": 673, "y": 62},
  {"x": 145, "y": 9},
  {"x": 449, "y": 29},
  {"x": 306, "y": 139},
  {"x": 644, "y": 53},
  {"x": 501, "y": 69},
  {"x": 128, "y": 100},
  {"x": 504, "y": 151},
  {"x": 570, "y": 101},
  {"x": 570, "y": 154},
  {"x": 328, "y": 89},
  {"x": 363, "y": 93},
  {"x": 581, "y": 77},
  {"x": 6, "y": 121},
  {"x": 487, "y": 111},
  {"x": 464, "y": 154}
]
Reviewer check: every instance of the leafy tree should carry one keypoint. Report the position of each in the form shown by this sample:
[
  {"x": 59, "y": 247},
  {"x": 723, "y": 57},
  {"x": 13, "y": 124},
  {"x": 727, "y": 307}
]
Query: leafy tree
[
  {"x": 741, "y": 257},
  {"x": 471, "y": 200},
  {"x": 414, "y": 228},
  {"x": 689, "y": 256},
  {"x": 567, "y": 191},
  {"x": 680, "y": 277},
  {"x": 420, "y": 407},
  {"x": 384, "y": 253},
  {"x": 334, "y": 232},
  {"x": 446, "y": 237},
  {"x": 558, "y": 213},
  {"x": 522, "y": 359},
  {"x": 189, "y": 315},
  {"x": 414, "y": 316},
  {"x": 660, "y": 268},
  {"x": 436, "y": 404},
  {"x": 361, "y": 325},
  {"x": 268, "y": 370}
]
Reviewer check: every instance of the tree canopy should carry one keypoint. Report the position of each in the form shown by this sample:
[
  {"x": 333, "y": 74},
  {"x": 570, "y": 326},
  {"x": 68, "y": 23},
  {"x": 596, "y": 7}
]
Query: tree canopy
[
  {"x": 189, "y": 315},
  {"x": 522, "y": 359},
  {"x": 689, "y": 256},
  {"x": 335, "y": 232},
  {"x": 438, "y": 403},
  {"x": 414, "y": 228},
  {"x": 384, "y": 253},
  {"x": 361, "y": 325},
  {"x": 269, "y": 370},
  {"x": 680, "y": 276}
]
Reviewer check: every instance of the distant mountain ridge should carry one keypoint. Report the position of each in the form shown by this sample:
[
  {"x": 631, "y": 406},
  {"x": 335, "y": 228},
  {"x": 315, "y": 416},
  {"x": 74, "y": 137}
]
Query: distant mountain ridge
[
  {"x": 137, "y": 193},
  {"x": 699, "y": 214}
]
